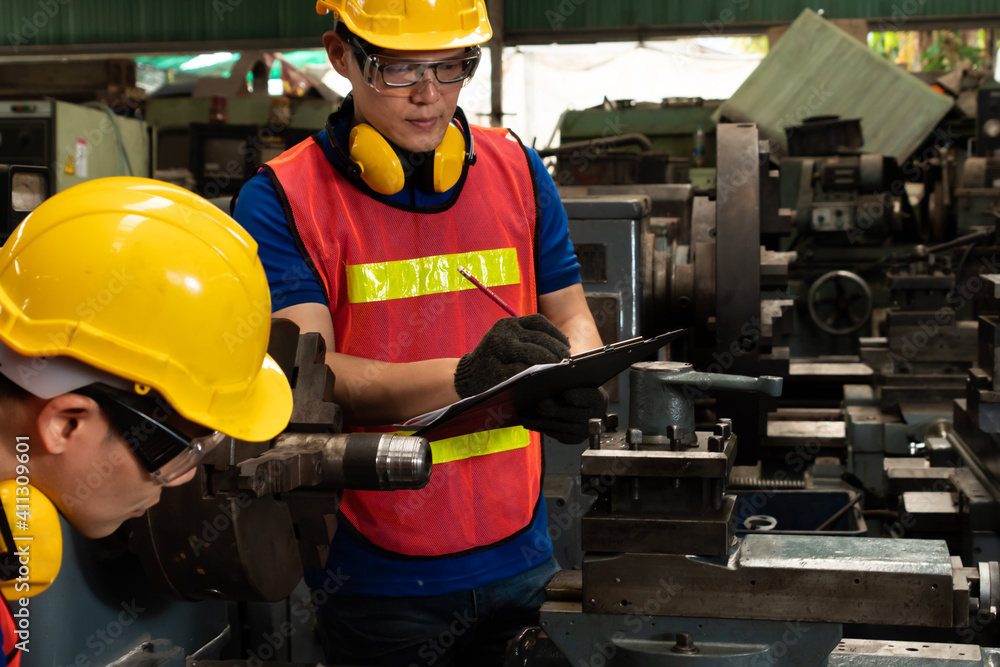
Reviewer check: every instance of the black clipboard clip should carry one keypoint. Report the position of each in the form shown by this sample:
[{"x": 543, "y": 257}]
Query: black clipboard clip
[{"x": 607, "y": 349}]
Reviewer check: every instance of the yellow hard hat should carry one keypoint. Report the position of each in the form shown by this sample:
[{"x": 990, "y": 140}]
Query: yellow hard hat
[
  {"x": 148, "y": 282},
  {"x": 414, "y": 25}
]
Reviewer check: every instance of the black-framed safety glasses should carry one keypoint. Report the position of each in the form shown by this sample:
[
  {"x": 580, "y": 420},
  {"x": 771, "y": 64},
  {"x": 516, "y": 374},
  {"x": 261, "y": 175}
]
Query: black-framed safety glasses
[
  {"x": 394, "y": 75},
  {"x": 167, "y": 444}
]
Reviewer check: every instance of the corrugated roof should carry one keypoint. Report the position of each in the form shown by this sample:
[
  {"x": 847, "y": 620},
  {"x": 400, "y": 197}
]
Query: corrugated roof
[
  {"x": 538, "y": 21},
  {"x": 80, "y": 26},
  {"x": 817, "y": 69}
]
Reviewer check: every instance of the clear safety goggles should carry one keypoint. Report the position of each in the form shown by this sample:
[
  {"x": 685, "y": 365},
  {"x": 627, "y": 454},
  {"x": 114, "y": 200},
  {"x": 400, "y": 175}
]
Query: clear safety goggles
[
  {"x": 392, "y": 75},
  {"x": 167, "y": 444}
]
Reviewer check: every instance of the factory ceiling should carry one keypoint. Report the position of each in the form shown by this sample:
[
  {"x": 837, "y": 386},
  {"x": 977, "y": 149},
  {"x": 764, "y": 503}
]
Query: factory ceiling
[{"x": 58, "y": 28}]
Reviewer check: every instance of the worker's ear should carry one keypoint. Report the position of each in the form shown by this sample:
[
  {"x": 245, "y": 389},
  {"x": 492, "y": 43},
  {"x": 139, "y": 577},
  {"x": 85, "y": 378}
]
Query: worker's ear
[
  {"x": 338, "y": 51},
  {"x": 67, "y": 419}
]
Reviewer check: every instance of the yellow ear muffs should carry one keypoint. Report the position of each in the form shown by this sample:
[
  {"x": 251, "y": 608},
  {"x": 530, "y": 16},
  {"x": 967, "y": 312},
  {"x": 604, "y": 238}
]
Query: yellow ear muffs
[
  {"x": 31, "y": 548},
  {"x": 378, "y": 164},
  {"x": 449, "y": 160},
  {"x": 380, "y": 168}
]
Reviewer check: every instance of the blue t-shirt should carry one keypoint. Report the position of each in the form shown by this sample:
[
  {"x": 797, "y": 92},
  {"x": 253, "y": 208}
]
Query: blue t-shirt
[{"x": 354, "y": 567}]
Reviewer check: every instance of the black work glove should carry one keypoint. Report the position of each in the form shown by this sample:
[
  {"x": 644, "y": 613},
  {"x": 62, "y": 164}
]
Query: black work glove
[
  {"x": 511, "y": 345},
  {"x": 565, "y": 417}
]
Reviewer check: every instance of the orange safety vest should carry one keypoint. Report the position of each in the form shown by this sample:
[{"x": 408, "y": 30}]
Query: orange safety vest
[
  {"x": 395, "y": 294},
  {"x": 9, "y": 629}
]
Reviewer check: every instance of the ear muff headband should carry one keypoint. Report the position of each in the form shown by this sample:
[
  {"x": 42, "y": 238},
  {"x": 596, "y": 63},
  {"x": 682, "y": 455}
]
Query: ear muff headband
[{"x": 374, "y": 161}]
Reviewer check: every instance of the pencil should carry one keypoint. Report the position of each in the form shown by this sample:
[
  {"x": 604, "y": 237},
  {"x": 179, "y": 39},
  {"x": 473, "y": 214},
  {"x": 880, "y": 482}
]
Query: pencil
[{"x": 486, "y": 290}]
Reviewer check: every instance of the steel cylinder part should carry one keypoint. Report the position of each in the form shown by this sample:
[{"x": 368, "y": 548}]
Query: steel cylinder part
[{"x": 368, "y": 461}]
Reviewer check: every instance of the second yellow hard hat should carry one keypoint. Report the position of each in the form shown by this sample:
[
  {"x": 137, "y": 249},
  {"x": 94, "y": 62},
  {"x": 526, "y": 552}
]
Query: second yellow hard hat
[{"x": 151, "y": 283}]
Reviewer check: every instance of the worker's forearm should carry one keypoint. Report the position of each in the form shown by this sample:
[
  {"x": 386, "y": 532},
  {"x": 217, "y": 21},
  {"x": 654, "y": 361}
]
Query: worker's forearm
[
  {"x": 567, "y": 309},
  {"x": 372, "y": 392},
  {"x": 582, "y": 333}
]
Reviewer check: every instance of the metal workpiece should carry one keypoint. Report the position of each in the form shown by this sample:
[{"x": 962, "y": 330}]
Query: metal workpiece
[
  {"x": 792, "y": 578},
  {"x": 707, "y": 530},
  {"x": 695, "y": 462},
  {"x": 281, "y": 470},
  {"x": 900, "y": 479},
  {"x": 359, "y": 461},
  {"x": 643, "y": 638},
  {"x": 803, "y": 432},
  {"x": 931, "y": 512},
  {"x": 662, "y": 394},
  {"x": 367, "y": 461},
  {"x": 658, "y": 495}
]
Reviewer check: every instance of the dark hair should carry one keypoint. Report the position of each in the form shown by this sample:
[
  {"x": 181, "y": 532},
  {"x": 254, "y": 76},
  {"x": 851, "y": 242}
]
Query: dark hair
[
  {"x": 10, "y": 391},
  {"x": 356, "y": 43}
]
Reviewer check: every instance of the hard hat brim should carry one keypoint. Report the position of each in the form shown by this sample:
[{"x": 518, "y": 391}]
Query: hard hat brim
[
  {"x": 259, "y": 414},
  {"x": 431, "y": 41}
]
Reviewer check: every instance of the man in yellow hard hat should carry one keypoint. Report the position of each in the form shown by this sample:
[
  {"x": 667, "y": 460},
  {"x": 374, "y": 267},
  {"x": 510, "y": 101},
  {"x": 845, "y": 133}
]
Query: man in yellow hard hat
[
  {"x": 363, "y": 230},
  {"x": 120, "y": 365}
]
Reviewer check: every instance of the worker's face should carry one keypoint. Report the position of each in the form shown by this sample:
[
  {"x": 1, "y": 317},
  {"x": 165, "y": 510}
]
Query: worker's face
[
  {"x": 94, "y": 478},
  {"x": 127, "y": 493},
  {"x": 415, "y": 122}
]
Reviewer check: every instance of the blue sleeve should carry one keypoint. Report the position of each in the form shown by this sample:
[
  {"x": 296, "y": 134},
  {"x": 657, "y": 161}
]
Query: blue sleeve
[
  {"x": 259, "y": 211},
  {"x": 559, "y": 268}
]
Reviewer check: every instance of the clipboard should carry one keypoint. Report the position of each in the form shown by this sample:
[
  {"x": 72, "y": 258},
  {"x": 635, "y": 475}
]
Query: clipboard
[{"x": 498, "y": 407}]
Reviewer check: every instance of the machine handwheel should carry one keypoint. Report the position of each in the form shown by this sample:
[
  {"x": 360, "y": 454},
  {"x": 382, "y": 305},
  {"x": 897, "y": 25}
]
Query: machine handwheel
[{"x": 840, "y": 302}]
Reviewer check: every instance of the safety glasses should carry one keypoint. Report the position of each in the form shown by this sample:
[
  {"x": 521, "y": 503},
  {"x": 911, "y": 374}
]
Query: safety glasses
[
  {"x": 167, "y": 444},
  {"x": 392, "y": 75}
]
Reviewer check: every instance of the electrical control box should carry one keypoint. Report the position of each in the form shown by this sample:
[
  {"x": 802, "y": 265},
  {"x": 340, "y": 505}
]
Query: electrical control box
[{"x": 75, "y": 143}]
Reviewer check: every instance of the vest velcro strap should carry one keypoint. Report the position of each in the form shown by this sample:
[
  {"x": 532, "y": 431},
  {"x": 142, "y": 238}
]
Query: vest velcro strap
[
  {"x": 479, "y": 444},
  {"x": 384, "y": 281}
]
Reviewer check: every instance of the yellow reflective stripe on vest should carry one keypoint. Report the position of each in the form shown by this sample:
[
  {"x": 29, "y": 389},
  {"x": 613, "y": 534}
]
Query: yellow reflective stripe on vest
[
  {"x": 383, "y": 281},
  {"x": 479, "y": 444}
]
